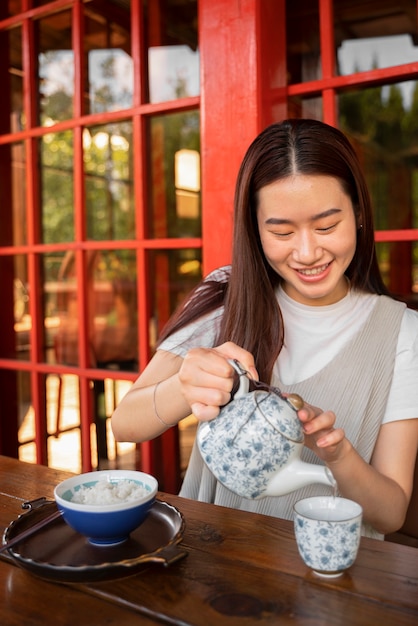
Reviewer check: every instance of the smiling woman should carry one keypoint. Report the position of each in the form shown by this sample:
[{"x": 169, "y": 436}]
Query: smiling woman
[{"x": 304, "y": 308}]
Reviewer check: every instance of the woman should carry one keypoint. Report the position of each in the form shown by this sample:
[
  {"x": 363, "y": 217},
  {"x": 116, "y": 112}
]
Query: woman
[{"x": 302, "y": 306}]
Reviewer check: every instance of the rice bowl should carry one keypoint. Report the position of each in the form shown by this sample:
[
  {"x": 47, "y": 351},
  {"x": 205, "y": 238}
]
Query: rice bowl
[{"x": 106, "y": 505}]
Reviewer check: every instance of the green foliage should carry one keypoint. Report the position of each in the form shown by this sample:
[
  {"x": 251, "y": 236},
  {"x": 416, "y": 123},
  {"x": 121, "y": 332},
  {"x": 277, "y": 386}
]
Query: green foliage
[{"x": 385, "y": 133}]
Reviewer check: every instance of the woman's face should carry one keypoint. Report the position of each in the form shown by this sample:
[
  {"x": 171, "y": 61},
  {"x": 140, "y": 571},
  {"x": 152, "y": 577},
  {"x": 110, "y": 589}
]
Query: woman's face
[{"x": 308, "y": 233}]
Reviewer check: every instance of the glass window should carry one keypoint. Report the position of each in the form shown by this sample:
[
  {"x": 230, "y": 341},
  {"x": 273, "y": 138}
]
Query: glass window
[
  {"x": 61, "y": 306},
  {"x": 22, "y": 319},
  {"x": 55, "y": 68},
  {"x": 175, "y": 273},
  {"x": 361, "y": 55},
  {"x": 175, "y": 175},
  {"x": 365, "y": 37},
  {"x": 15, "y": 343},
  {"x": 303, "y": 43},
  {"x": 14, "y": 78},
  {"x": 107, "y": 44},
  {"x": 13, "y": 229},
  {"x": 10, "y": 7},
  {"x": 305, "y": 106},
  {"x": 112, "y": 306},
  {"x": 173, "y": 55},
  {"x": 382, "y": 125},
  {"x": 369, "y": 39},
  {"x": 398, "y": 261},
  {"x": 382, "y": 122},
  {"x": 56, "y": 153},
  {"x": 108, "y": 163}
]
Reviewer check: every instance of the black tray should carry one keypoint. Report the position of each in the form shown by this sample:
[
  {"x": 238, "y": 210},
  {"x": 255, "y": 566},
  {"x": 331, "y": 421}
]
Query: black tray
[{"x": 59, "y": 553}]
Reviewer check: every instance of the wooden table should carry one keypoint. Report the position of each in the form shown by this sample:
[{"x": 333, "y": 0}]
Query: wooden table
[{"x": 241, "y": 569}]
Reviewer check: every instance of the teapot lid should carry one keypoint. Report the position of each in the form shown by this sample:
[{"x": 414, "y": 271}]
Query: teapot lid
[{"x": 281, "y": 414}]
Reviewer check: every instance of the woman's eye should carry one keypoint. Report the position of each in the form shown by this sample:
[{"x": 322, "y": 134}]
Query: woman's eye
[
  {"x": 283, "y": 234},
  {"x": 326, "y": 229}
]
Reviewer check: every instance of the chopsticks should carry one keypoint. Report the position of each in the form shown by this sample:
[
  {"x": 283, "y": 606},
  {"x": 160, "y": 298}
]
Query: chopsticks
[{"x": 30, "y": 531}]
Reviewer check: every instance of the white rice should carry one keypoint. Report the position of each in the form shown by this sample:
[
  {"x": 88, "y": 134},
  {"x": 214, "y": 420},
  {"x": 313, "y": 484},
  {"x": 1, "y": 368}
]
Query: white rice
[{"x": 104, "y": 492}]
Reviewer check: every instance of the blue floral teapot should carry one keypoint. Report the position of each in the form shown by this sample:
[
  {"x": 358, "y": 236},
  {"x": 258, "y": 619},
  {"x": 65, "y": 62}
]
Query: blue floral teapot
[{"x": 253, "y": 446}]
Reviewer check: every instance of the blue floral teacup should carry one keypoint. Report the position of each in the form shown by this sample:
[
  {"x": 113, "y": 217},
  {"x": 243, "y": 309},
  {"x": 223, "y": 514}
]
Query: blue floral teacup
[{"x": 328, "y": 531}]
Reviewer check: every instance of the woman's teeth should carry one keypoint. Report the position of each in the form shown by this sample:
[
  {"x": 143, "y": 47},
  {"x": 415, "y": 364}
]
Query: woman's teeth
[{"x": 314, "y": 271}]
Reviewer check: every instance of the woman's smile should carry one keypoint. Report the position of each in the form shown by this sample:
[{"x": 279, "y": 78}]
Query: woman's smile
[
  {"x": 308, "y": 233},
  {"x": 314, "y": 272}
]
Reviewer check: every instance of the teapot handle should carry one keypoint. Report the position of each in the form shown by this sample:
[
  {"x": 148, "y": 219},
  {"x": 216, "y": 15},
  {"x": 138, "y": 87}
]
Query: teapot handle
[
  {"x": 292, "y": 399},
  {"x": 244, "y": 383}
]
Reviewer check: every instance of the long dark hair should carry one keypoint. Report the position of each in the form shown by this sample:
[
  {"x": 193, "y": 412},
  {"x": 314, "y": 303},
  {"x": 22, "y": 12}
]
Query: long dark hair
[{"x": 252, "y": 317}]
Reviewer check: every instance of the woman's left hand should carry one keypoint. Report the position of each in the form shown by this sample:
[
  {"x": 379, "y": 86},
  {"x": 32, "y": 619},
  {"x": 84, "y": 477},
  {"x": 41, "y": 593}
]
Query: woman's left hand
[{"x": 320, "y": 434}]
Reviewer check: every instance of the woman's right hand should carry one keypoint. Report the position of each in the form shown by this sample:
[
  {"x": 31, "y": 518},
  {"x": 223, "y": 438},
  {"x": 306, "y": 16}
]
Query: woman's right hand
[{"x": 206, "y": 378}]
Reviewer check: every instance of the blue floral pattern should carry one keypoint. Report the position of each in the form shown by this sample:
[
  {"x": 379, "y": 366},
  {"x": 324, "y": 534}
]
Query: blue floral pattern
[
  {"x": 249, "y": 441},
  {"x": 328, "y": 547}
]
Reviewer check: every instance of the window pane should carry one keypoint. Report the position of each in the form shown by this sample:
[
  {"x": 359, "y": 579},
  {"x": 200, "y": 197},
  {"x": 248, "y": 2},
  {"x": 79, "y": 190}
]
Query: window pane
[
  {"x": 10, "y": 7},
  {"x": 57, "y": 187},
  {"x": 15, "y": 338},
  {"x": 398, "y": 261},
  {"x": 26, "y": 415},
  {"x": 18, "y": 202},
  {"x": 303, "y": 45},
  {"x": 22, "y": 318},
  {"x": 366, "y": 37},
  {"x": 108, "y": 162},
  {"x": 173, "y": 55},
  {"x": 57, "y": 293},
  {"x": 14, "y": 68},
  {"x": 175, "y": 176},
  {"x": 382, "y": 125},
  {"x": 13, "y": 195},
  {"x": 107, "y": 43},
  {"x": 63, "y": 416},
  {"x": 175, "y": 273},
  {"x": 112, "y": 309},
  {"x": 369, "y": 38},
  {"x": 302, "y": 106},
  {"x": 61, "y": 307},
  {"x": 55, "y": 68}
]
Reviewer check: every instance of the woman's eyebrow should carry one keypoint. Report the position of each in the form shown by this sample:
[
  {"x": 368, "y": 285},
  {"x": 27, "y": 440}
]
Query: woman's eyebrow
[{"x": 276, "y": 221}]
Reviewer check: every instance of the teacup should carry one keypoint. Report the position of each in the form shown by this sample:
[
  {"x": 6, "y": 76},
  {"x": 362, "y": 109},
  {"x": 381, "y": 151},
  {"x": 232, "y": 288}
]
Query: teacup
[{"x": 328, "y": 531}]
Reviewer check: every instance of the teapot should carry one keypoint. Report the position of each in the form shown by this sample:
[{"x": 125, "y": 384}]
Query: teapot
[{"x": 253, "y": 447}]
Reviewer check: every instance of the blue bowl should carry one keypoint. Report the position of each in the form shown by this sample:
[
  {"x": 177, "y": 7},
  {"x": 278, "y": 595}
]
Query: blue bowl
[{"x": 106, "y": 523}]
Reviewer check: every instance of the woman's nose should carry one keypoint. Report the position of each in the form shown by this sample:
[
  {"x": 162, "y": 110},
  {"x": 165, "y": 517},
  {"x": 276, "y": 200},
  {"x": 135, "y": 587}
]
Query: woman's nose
[{"x": 306, "y": 249}]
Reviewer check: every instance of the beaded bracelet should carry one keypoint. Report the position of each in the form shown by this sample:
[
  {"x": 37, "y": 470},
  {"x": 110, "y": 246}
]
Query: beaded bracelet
[{"x": 160, "y": 419}]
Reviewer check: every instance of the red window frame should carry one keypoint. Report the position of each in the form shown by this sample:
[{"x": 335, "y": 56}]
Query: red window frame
[{"x": 240, "y": 46}]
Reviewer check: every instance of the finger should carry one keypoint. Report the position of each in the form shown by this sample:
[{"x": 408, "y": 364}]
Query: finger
[
  {"x": 202, "y": 370},
  {"x": 322, "y": 421},
  {"x": 308, "y": 412},
  {"x": 203, "y": 412},
  {"x": 332, "y": 438},
  {"x": 230, "y": 350}
]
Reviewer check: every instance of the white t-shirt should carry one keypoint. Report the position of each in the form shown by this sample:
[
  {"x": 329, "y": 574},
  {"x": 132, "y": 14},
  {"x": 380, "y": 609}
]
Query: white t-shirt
[{"x": 313, "y": 337}]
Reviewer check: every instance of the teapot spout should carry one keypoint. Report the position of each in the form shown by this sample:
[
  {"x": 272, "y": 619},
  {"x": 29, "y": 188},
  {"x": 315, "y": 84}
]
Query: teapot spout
[{"x": 296, "y": 475}]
